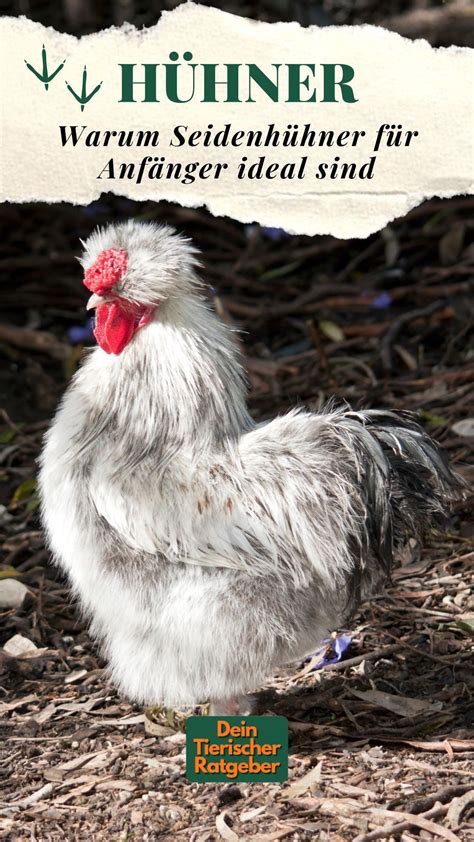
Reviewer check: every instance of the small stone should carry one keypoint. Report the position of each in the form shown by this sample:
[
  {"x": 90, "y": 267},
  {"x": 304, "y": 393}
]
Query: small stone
[
  {"x": 5, "y": 516},
  {"x": 464, "y": 428},
  {"x": 18, "y": 646},
  {"x": 12, "y": 593}
]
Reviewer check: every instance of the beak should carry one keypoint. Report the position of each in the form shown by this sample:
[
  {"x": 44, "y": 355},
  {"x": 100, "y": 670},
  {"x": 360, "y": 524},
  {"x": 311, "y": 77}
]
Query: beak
[{"x": 93, "y": 302}]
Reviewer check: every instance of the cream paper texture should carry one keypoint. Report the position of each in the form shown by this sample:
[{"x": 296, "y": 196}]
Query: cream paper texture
[{"x": 396, "y": 81}]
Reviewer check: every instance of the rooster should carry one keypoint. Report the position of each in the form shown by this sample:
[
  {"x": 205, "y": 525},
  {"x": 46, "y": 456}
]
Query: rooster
[{"x": 206, "y": 549}]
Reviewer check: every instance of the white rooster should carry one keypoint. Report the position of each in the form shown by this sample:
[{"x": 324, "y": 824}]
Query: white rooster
[{"x": 208, "y": 550}]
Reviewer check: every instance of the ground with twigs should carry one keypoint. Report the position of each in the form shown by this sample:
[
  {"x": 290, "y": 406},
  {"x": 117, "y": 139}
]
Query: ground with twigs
[{"x": 380, "y": 744}]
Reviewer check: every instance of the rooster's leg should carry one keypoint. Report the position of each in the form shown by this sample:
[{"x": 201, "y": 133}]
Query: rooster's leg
[
  {"x": 234, "y": 706},
  {"x": 224, "y": 707}
]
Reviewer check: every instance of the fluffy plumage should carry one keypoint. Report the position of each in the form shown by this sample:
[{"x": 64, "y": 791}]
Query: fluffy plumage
[{"x": 207, "y": 550}]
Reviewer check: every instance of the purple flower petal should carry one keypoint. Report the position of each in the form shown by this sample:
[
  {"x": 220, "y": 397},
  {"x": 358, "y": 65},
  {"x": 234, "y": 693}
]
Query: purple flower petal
[
  {"x": 334, "y": 650},
  {"x": 77, "y": 334},
  {"x": 383, "y": 300},
  {"x": 274, "y": 233},
  {"x": 95, "y": 208}
]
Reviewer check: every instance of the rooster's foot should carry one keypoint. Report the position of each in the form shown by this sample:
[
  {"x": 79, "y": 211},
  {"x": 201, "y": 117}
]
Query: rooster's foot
[{"x": 234, "y": 706}]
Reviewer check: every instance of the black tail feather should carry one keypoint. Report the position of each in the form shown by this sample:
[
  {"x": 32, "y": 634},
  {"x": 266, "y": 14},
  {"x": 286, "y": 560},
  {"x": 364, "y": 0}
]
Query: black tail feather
[{"x": 406, "y": 485}]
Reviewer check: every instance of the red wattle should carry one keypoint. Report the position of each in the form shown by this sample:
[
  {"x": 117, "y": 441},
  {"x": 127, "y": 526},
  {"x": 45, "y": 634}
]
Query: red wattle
[
  {"x": 114, "y": 327},
  {"x": 116, "y": 324}
]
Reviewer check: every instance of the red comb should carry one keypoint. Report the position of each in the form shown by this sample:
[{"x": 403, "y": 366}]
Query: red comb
[{"x": 106, "y": 271}]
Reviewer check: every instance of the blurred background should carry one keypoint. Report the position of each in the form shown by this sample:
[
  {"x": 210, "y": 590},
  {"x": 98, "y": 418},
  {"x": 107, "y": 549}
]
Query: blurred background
[
  {"x": 386, "y": 321},
  {"x": 442, "y": 22},
  {"x": 308, "y": 306}
]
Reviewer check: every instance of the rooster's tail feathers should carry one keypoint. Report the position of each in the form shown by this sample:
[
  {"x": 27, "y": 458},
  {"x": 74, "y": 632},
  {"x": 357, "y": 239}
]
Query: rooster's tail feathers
[{"x": 405, "y": 482}]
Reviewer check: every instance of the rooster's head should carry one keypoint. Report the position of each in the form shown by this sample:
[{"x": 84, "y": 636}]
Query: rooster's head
[{"x": 131, "y": 269}]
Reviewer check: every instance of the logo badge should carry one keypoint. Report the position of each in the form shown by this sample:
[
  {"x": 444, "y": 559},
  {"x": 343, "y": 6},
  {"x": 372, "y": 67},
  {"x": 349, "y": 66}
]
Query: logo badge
[{"x": 236, "y": 748}]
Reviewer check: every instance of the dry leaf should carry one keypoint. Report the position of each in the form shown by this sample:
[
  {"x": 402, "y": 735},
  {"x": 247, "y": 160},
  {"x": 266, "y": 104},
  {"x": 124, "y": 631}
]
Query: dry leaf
[
  {"x": 5, "y": 707},
  {"x": 5, "y": 824},
  {"x": 341, "y": 807},
  {"x": 274, "y": 835},
  {"x": 82, "y": 779},
  {"x": 78, "y": 707},
  {"x": 308, "y": 781},
  {"x": 156, "y": 729},
  {"x": 120, "y": 783},
  {"x": 75, "y": 676},
  {"x": 126, "y": 720},
  {"x": 77, "y": 762},
  {"x": 175, "y": 740},
  {"x": 457, "y": 808},
  {"x": 45, "y": 714},
  {"x": 73, "y": 793},
  {"x": 162, "y": 767},
  {"x": 248, "y": 815},
  {"x": 401, "y": 705},
  {"x": 44, "y": 792},
  {"x": 102, "y": 760},
  {"x": 418, "y": 820},
  {"x": 348, "y": 789},
  {"x": 224, "y": 830},
  {"x": 465, "y": 622},
  {"x": 54, "y": 775},
  {"x": 331, "y": 330}
]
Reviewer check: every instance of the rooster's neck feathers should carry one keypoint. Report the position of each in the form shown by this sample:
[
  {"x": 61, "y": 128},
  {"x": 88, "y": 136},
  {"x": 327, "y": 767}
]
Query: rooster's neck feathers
[{"x": 179, "y": 383}]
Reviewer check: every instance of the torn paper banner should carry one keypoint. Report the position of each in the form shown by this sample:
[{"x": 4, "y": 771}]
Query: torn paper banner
[{"x": 317, "y": 131}]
